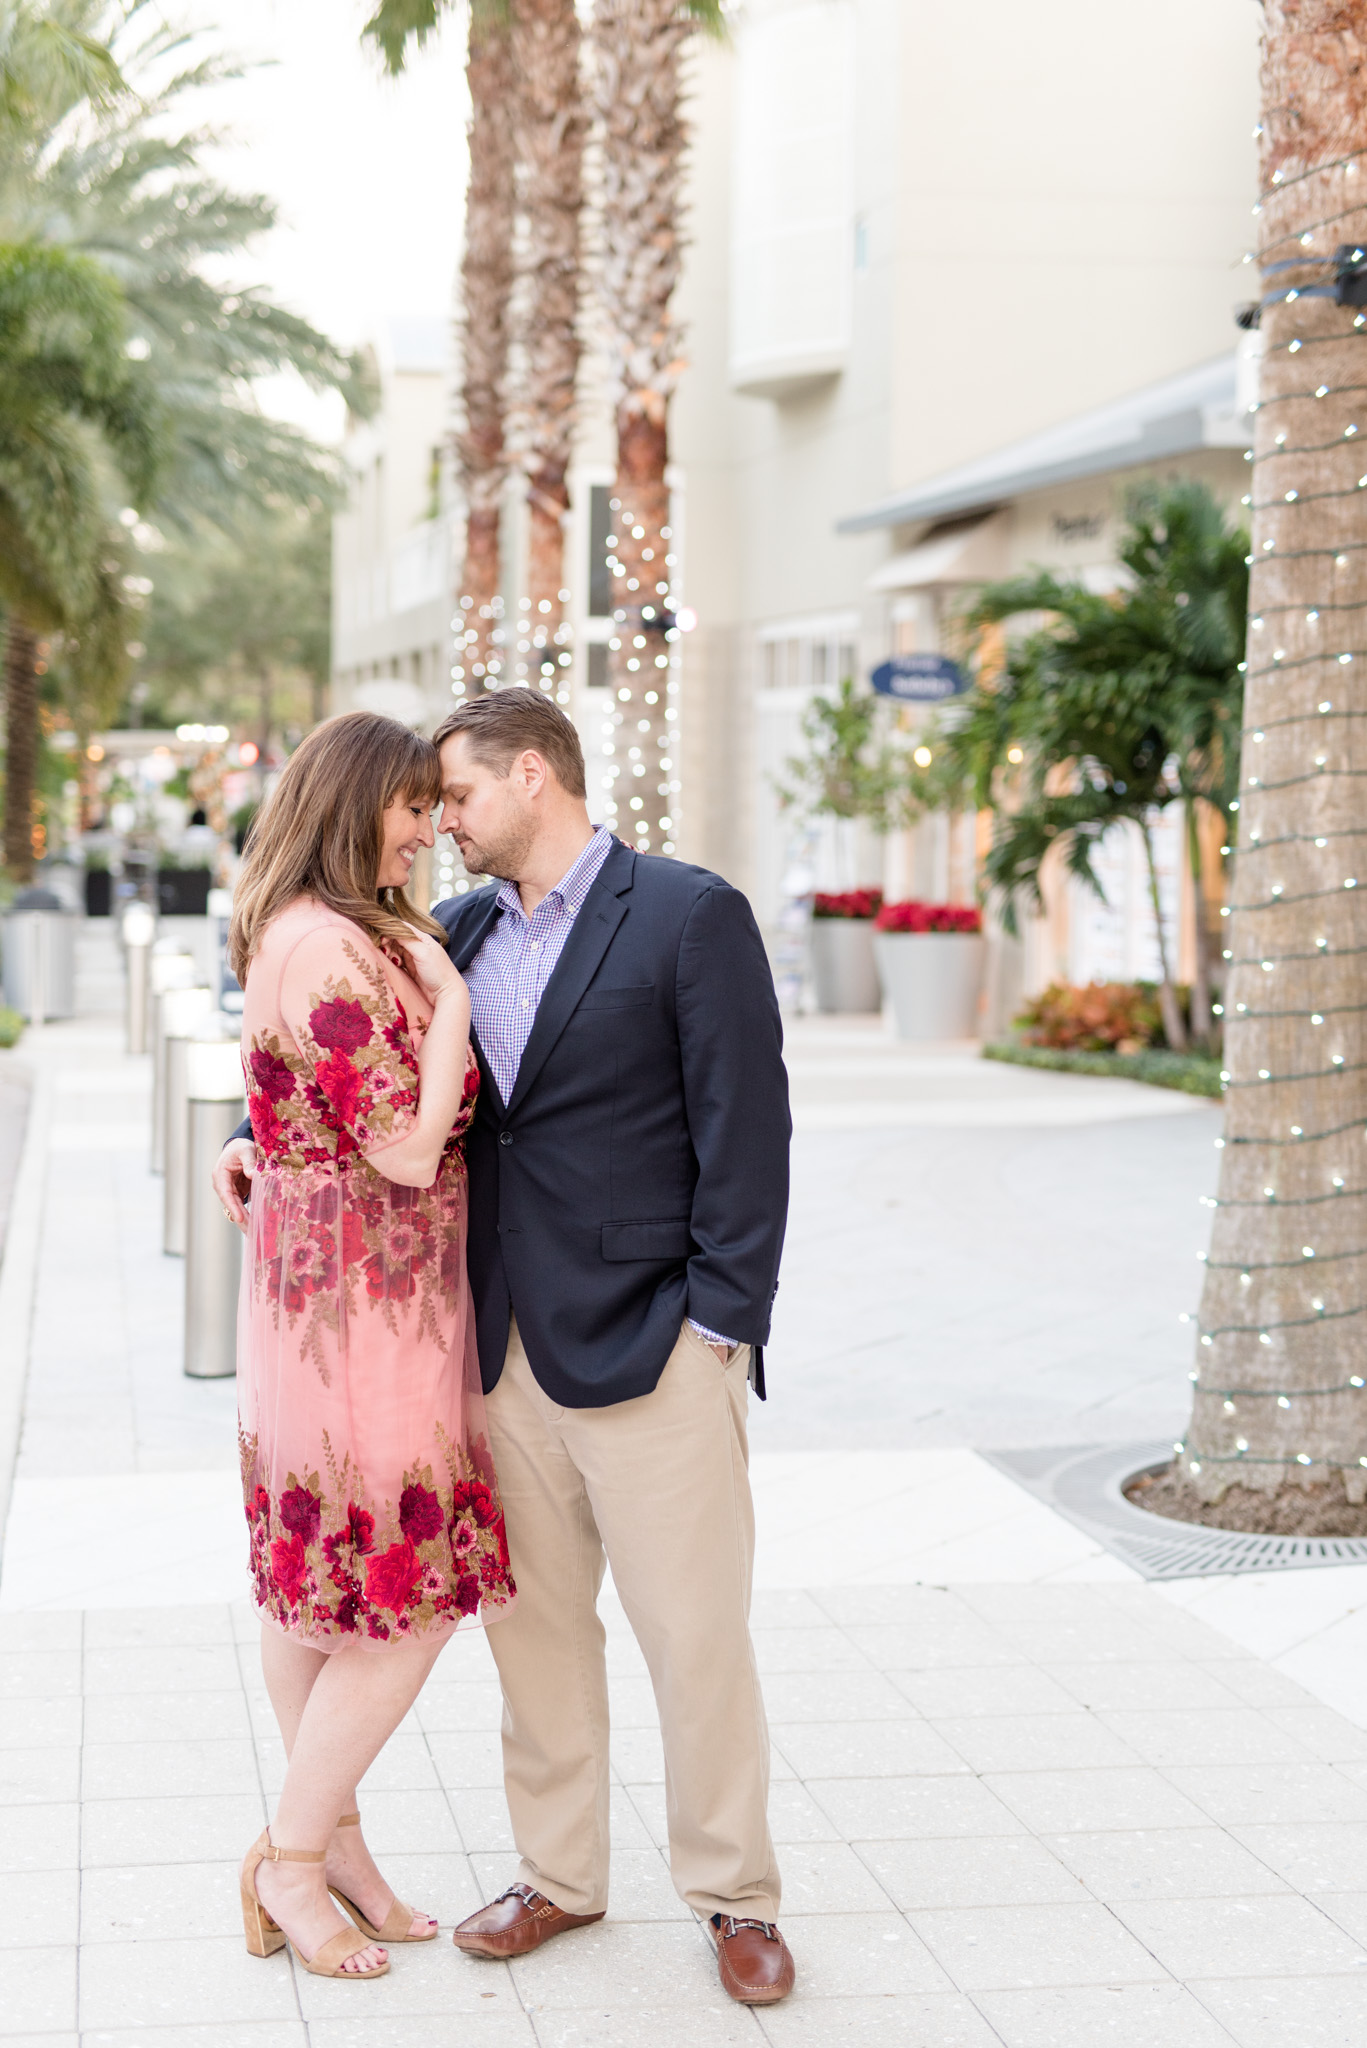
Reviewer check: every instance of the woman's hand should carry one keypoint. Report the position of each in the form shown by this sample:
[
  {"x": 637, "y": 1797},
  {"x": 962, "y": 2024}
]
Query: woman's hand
[
  {"x": 432, "y": 970},
  {"x": 232, "y": 1179}
]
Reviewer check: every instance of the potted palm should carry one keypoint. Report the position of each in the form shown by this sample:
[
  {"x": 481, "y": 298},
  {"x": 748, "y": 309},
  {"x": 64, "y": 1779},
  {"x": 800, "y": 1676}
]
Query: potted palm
[
  {"x": 930, "y": 962},
  {"x": 844, "y": 972}
]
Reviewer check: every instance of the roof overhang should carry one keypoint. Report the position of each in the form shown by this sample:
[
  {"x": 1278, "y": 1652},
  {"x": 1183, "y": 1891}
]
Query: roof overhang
[
  {"x": 959, "y": 551},
  {"x": 1201, "y": 408}
]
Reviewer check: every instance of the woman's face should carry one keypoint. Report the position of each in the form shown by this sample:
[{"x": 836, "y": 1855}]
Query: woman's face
[{"x": 405, "y": 826}]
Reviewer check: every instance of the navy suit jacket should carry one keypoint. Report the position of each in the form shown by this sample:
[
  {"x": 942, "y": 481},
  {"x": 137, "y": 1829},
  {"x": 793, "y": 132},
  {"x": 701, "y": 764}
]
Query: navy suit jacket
[{"x": 639, "y": 1174}]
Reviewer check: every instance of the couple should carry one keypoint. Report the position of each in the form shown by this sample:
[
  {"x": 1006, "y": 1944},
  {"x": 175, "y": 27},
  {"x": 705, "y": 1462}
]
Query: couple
[{"x": 598, "y": 1040}]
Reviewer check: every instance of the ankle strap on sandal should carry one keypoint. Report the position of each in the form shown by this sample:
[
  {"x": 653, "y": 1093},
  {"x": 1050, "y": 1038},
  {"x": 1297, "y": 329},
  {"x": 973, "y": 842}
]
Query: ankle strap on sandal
[
  {"x": 349, "y": 1820},
  {"x": 270, "y": 1854}
]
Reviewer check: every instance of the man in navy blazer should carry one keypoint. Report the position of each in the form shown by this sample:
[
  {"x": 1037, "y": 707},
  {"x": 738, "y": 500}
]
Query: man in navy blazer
[{"x": 628, "y": 1193}]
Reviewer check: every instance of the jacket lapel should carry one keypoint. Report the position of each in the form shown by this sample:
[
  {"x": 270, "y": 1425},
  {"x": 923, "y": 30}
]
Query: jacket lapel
[
  {"x": 466, "y": 935},
  {"x": 590, "y": 936}
]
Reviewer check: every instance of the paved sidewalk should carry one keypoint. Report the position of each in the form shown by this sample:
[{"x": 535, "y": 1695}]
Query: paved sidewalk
[{"x": 1021, "y": 1798}]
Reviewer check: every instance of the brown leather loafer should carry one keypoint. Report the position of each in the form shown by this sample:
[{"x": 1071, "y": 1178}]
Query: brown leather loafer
[
  {"x": 754, "y": 1962},
  {"x": 518, "y": 1921}
]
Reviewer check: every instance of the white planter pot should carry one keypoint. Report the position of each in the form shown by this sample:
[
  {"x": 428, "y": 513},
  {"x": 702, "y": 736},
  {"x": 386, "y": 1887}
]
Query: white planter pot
[
  {"x": 933, "y": 980},
  {"x": 843, "y": 969}
]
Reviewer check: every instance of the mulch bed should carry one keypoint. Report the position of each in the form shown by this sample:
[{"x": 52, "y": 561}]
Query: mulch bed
[{"x": 1320, "y": 1510}]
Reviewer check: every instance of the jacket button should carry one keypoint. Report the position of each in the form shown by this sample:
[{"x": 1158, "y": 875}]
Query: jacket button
[{"x": 505, "y": 1137}]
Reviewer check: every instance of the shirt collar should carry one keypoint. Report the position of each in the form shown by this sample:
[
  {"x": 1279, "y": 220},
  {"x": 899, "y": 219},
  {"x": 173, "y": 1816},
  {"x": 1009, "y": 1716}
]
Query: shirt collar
[{"x": 574, "y": 884}]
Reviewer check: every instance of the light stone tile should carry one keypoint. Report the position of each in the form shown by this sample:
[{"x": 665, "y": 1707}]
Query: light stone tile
[
  {"x": 1323, "y": 1856},
  {"x": 482, "y": 1818},
  {"x": 876, "y": 1954},
  {"x": 1036, "y": 1742},
  {"x": 38, "y": 1723},
  {"x": 480, "y": 2027},
  {"x": 1020, "y": 1947},
  {"x": 439, "y": 1882},
  {"x": 660, "y": 1963},
  {"x": 638, "y": 1756},
  {"x": 426, "y": 1980},
  {"x": 1079, "y": 1802},
  {"x": 149, "y": 1770},
  {"x": 791, "y": 1696},
  {"x": 405, "y": 1823},
  {"x": 191, "y": 1667},
  {"x": 472, "y": 1707},
  {"x": 1095, "y": 1639},
  {"x": 193, "y": 1830},
  {"x": 46, "y": 1632},
  {"x": 1248, "y": 1937},
  {"x": 403, "y": 1765},
  {"x": 631, "y": 1703},
  {"x": 983, "y": 1689},
  {"x": 1289, "y": 2012},
  {"x": 178, "y": 1717},
  {"x": 468, "y": 1759},
  {"x": 1086, "y": 2015},
  {"x": 124, "y": 1628},
  {"x": 808, "y": 1649},
  {"x": 25, "y": 1674},
  {"x": 1347, "y": 1910},
  {"x": 39, "y": 1908},
  {"x": 794, "y": 1815},
  {"x": 648, "y": 1804},
  {"x": 1236, "y": 1735},
  {"x": 715, "y": 2023},
  {"x": 952, "y": 1639},
  {"x": 45, "y": 2040},
  {"x": 946, "y": 2021},
  {"x": 1258, "y": 1684},
  {"x": 626, "y": 1827},
  {"x": 41, "y": 1838},
  {"x": 182, "y": 1983},
  {"x": 1164, "y": 1863},
  {"x": 40, "y": 1989},
  {"x": 150, "y": 1902},
  {"x": 896, "y": 1809},
  {"x": 924, "y": 1608},
  {"x": 775, "y": 1608},
  {"x": 1322, "y": 1732},
  {"x": 232, "y": 2034},
  {"x": 1179, "y": 1630},
  {"x": 828, "y": 1877},
  {"x": 1167, "y": 1684},
  {"x": 986, "y": 1870},
  {"x": 1244, "y": 1795},
  {"x": 865, "y": 1749},
  {"x": 39, "y": 1777}
]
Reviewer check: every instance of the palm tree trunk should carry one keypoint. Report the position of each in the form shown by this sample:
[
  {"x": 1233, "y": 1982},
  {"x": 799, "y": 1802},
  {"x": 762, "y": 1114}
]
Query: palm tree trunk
[
  {"x": 1173, "y": 1028},
  {"x": 1200, "y": 980},
  {"x": 21, "y": 747},
  {"x": 486, "y": 283},
  {"x": 551, "y": 128},
  {"x": 638, "y": 45},
  {"x": 1284, "y": 1307}
]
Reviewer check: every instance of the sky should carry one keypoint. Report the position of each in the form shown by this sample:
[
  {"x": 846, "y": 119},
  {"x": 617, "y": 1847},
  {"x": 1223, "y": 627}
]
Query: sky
[{"x": 368, "y": 172}]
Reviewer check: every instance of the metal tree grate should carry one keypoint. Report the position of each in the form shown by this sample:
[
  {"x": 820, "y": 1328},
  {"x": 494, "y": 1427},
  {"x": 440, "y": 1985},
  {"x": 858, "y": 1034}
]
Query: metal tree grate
[{"x": 1084, "y": 1482}]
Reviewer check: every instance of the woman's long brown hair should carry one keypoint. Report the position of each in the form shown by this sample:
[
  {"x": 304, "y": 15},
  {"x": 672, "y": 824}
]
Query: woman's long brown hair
[{"x": 321, "y": 833}]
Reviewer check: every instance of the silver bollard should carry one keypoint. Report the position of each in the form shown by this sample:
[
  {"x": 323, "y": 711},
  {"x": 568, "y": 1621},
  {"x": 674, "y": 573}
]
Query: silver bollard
[
  {"x": 214, "y": 1030},
  {"x": 176, "y": 1010},
  {"x": 139, "y": 930},
  {"x": 213, "y": 1246}
]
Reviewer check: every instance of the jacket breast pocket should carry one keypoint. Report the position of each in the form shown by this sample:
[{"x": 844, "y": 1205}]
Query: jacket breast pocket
[
  {"x": 670, "y": 1239},
  {"x": 627, "y": 998}
]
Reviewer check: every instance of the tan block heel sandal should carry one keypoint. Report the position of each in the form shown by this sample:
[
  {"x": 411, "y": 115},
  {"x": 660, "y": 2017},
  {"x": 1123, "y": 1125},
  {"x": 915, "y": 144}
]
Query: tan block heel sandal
[
  {"x": 397, "y": 1920},
  {"x": 265, "y": 1938}
]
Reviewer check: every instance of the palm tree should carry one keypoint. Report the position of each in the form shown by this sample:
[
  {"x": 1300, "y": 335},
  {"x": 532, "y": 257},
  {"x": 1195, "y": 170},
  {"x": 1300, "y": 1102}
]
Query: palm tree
[
  {"x": 638, "y": 49},
  {"x": 78, "y": 436},
  {"x": 1280, "y": 1406}
]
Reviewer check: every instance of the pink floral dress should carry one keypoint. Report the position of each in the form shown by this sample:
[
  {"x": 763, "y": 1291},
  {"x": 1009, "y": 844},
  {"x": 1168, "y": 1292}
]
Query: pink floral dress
[{"x": 369, "y": 1490}]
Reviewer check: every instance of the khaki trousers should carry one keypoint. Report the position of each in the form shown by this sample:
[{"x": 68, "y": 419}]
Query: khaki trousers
[{"x": 660, "y": 1484}]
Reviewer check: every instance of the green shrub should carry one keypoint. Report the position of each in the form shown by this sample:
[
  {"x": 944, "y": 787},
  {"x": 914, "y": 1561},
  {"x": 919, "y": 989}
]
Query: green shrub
[
  {"x": 1191, "y": 1072},
  {"x": 11, "y": 1024},
  {"x": 1103, "y": 1017}
]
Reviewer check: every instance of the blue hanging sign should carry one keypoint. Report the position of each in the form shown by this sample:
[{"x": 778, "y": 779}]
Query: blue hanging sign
[{"x": 919, "y": 678}]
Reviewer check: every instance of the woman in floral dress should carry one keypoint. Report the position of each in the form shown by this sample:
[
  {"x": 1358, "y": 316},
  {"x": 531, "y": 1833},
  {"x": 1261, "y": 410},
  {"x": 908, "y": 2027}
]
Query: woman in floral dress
[{"x": 373, "y": 1508}]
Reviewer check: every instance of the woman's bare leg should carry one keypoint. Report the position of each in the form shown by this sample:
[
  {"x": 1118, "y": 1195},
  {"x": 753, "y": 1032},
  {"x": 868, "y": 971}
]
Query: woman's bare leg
[{"x": 340, "y": 1720}]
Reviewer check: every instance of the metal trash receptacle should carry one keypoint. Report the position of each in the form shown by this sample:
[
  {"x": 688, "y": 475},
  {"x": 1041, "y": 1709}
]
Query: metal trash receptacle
[
  {"x": 39, "y": 941},
  {"x": 177, "y": 1010},
  {"x": 213, "y": 1245}
]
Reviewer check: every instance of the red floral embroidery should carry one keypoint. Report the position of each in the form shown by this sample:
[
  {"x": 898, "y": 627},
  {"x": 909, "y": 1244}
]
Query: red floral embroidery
[{"x": 341, "y": 1026}]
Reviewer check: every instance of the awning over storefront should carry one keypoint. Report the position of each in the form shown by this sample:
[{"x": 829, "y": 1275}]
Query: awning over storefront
[{"x": 957, "y": 551}]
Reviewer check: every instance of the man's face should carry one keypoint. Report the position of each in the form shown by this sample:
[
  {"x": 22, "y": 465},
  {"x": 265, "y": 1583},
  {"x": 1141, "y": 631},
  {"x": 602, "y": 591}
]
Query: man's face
[{"x": 490, "y": 817}]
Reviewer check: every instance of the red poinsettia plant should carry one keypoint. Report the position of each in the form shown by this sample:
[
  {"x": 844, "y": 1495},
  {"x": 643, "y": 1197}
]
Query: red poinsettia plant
[
  {"x": 929, "y": 917},
  {"x": 851, "y": 903}
]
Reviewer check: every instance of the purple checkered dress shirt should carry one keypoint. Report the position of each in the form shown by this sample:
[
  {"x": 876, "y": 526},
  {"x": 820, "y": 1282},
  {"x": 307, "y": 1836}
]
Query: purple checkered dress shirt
[{"x": 508, "y": 975}]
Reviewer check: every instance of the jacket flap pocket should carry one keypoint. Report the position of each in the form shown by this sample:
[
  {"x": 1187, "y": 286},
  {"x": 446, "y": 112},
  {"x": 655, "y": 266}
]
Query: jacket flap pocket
[
  {"x": 616, "y": 998},
  {"x": 671, "y": 1239}
]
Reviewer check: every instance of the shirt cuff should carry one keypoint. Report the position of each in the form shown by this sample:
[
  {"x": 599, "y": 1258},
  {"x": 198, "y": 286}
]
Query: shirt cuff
[{"x": 711, "y": 1336}]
